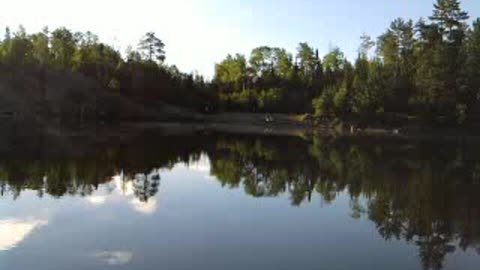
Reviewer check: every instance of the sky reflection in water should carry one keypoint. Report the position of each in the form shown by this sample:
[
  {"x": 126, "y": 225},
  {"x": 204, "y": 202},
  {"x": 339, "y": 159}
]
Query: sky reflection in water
[{"x": 247, "y": 203}]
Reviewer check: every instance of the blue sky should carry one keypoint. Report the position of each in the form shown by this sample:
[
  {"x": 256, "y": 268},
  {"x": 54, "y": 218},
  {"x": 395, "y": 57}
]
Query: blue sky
[{"x": 199, "y": 33}]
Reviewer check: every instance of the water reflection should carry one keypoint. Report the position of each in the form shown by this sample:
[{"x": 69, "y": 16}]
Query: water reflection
[
  {"x": 424, "y": 193},
  {"x": 139, "y": 190},
  {"x": 13, "y": 231},
  {"x": 114, "y": 257}
]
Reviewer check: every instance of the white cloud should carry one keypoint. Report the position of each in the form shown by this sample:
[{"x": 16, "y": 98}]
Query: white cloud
[
  {"x": 14, "y": 231},
  {"x": 146, "y": 208},
  {"x": 114, "y": 257},
  {"x": 202, "y": 165},
  {"x": 97, "y": 200},
  {"x": 121, "y": 190}
]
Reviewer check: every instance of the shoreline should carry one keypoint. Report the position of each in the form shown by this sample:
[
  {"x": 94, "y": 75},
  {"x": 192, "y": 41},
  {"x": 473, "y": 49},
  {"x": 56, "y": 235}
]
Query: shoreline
[
  {"x": 305, "y": 131},
  {"x": 253, "y": 123}
]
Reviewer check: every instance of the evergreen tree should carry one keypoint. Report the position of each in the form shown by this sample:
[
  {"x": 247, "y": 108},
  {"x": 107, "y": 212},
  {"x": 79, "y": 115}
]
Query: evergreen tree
[
  {"x": 318, "y": 76},
  {"x": 307, "y": 62},
  {"x": 450, "y": 18},
  {"x": 473, "y": 64},
  {"x": 152, "y": 48},
  {"x": 429, "y": 68},
  {"x": 360, "y": 86},
  {"x": 396, "y": 49}
]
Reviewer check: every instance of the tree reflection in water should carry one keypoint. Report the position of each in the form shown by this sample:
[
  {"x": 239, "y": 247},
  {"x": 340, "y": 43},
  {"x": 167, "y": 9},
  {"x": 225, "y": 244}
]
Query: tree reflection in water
[{"x": 423, "y": 192}]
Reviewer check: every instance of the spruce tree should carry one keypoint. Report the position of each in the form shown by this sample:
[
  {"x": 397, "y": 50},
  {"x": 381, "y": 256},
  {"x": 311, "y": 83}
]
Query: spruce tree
[{"x": 473, "y": 63}]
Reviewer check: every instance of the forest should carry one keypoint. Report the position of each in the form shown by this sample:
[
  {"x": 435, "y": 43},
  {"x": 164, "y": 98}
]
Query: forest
[{"x": 427, "y": 70}]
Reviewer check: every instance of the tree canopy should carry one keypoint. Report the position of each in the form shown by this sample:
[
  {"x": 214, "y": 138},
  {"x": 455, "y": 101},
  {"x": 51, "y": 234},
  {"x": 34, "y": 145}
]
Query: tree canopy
[{"x": 427, "y": 69}]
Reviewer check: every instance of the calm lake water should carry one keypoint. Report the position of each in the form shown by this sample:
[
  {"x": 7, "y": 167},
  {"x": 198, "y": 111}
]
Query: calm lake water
[{"x": 156, "y": 200}]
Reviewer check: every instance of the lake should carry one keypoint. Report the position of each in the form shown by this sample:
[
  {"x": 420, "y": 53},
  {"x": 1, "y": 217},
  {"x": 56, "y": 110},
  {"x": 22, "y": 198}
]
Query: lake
[{"x": 156, "y": 199}]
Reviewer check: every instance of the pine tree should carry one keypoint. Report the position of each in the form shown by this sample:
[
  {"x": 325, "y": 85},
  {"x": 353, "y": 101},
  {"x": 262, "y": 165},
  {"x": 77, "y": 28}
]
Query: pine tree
[
  {"x": 438, "y": 76},
  {"x": 152, "y": 48},
  {"x": 360, "y": 86},
  {"x": 450, "y": 21},
  {"x": 318, "y": 77},
  {"x": 307, "y": 62},
  {"x": 449, "y": 17}
]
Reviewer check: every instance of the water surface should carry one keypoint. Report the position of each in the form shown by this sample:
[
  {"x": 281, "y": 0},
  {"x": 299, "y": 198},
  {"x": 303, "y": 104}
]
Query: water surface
[{"x": 223, "y": 201}]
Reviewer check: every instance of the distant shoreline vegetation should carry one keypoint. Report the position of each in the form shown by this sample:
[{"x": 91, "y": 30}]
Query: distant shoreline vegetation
[{"x": 427, "y": 70}]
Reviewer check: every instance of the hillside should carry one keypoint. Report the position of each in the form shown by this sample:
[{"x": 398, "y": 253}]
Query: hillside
[{"x": 33, "y": 94}]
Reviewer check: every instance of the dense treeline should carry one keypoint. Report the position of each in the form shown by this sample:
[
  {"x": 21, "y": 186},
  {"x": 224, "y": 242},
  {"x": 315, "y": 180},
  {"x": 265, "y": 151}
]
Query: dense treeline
[
  {"x": 429, "y": 68},
  {"x": 141, "y": 73}
]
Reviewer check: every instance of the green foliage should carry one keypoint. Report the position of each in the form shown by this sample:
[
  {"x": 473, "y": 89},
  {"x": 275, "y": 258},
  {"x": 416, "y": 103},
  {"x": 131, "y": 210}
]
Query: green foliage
[
  {"x": 307, "y": 60},
  {"x": 396, "y": 49},
  {"x": 323, "y": 106},
  {"x": 96, "y": 60},
  {"x": 268, "y": 82},
  {"x": 284, "y": 66},
  {"x": 17, "y": 49},
  {"x": 231, "y": 73},
  {"x": 333, "y": 103},
  {"x": 63, "y": 45},
  {"x": 269, "y": 99},
  {"x": 473, "y": 64},
  {"x": 262, "y": 60},
  {"x": 431, "y": 68},
  {"x": 341, "y": 102},
  {"x": 368, "y": 85},
  {"x": 40, "y": 50},
  {"x": 271, "y": 62},
  {"x": 440, "y": 60},
  {"x": 334, "y": 60},
  {"x": 261, "y": 100}
]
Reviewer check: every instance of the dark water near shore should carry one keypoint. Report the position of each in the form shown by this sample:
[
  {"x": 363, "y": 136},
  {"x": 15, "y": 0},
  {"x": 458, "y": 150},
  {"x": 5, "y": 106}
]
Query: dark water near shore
[{"x": 222, "y": 201}]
